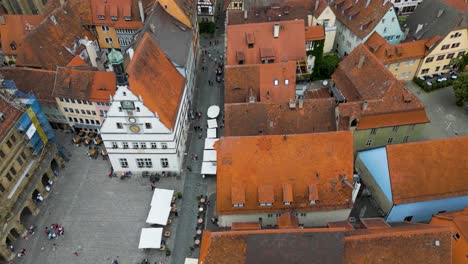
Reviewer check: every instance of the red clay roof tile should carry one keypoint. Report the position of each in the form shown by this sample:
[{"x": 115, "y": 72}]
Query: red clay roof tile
[
  {"x": 314, "y": 33},
  {"x": 262, "y": 164},
  {"x": 283, "y": 48},
  {"x": 427, "y": 170},
  {"x": 401, "y": 52},
  {"x": 9, "y": 117},
  {"x": 152, "y": 73},
  {"x": 14, "y": 29},
  {"x": 365, "y": 18}
]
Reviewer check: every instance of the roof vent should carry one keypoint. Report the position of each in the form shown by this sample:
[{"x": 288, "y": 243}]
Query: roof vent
[
  {"x": 437, "y": 243},
  {"x": 361, "y": 61},
  {"x": 440, "y": 13},
  {"x": 364, "y": 105},
  {"x": 276, "y": 30},
  {"x": 301, "y": 103},
  {"x": 292, "y": 104},
  {"x": 54, "y": 20}
]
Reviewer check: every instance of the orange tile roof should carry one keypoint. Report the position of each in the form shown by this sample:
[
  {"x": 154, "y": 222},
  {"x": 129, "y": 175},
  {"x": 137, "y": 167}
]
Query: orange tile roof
[
  {"x": 287, "y": 221},
  {"x": 15, "y": 28},
  {"x": 251, "y": 119},
  {"x": 318, "y": 93},
  {"x": 314, "y": 33},
  {"x": 461, "y": 5},
  {"x": 246, "y": 226},
  {"x": 374, "y": 223},
  {"x": 271, "y": 161},
  {"x": 340, "y": 224},
  {"x": 279, "y": 11},
  {"x": 50, "y": 45},
  {"x": 284, "y": 49},
  {"x": 427, "y": 170},
  {"x": 389, "y": 103},
  {"x": 281, "y": 72},
  {"x": 29, "y": 80},
  {"x": 85, "y": 85},
  {"x": 402, "y": 243},
  {"x": 293, "y": 245},
  {"x": 151, "y": 73},
  {"x": 400, "y": 52},
  {"x": 10, "y": 116},
  {"x": 458, "y": 218},
  {"x": 77, "y": 62},
  {"x": 241, "y": 82},
  {"x": 118, "y": 8},
  {"x": 364, "y": 19}
]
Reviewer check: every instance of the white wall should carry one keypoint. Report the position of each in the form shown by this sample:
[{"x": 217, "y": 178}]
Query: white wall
[{"x": 318, "y": 218}]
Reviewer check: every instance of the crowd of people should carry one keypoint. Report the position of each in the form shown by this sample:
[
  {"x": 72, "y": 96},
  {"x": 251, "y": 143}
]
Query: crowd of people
[{"x": 54, "y": 231}]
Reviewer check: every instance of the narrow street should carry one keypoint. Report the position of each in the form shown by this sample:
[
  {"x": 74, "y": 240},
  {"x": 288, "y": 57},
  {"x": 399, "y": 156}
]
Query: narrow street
[{"x": 205, "y": 96}]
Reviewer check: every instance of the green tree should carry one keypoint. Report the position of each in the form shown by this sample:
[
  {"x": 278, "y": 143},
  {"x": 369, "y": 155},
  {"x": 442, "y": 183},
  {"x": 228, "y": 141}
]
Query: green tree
[
  {"x": 460, "y": 87},
  {"x": 460, "y": 62},
  {"x": 325, "y": 67}
]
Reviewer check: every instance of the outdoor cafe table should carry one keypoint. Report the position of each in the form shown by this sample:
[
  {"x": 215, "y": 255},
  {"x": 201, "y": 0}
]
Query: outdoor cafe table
[
  {"x": 199, "y": 232},
  {"x": 200, "y": 220}
]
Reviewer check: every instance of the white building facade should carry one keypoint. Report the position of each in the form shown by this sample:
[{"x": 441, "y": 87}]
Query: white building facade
[
  {"x": 404, "y": 7},
  {"x": 137, "y": 141}
]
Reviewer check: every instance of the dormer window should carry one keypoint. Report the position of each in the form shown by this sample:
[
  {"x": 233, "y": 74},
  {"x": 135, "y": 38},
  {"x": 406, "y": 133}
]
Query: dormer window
[
  {"x": 114, "y": 18},
  {"x": 127, "y": 18},
  {"x": 101, "y": 17},
  {"x": 275, "y": 82},
  {"x": 313, "y": 194},
  {"x": 238, "y": 205},
  {"x": 266, "y": 195},
  {"x": 286, "y": 82},
  {"x": 266, "y": 204}
]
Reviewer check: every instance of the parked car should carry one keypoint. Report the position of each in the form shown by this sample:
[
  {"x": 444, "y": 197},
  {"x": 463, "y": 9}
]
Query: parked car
[
  {"x": 439, "y": 74},
  {"x": 443, "y": 79},
  {"x": 430, "y": 76},
  {"x": 429, "y": 83},
  {"x": 422, "y": 78},
  {"x": 454, "y": 77}
]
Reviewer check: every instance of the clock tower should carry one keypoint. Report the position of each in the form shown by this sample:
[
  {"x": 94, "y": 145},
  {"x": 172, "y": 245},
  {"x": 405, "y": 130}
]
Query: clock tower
[{"x": 116, "y": 59}]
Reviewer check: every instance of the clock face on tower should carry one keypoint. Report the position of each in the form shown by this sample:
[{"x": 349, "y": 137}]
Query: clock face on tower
[{"x": 134, "y": 128}]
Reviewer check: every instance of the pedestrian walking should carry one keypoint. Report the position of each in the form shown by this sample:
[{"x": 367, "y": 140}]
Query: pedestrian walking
[
  {"x": 210, "y": 43},
  {"x": 189, "y": 168}
]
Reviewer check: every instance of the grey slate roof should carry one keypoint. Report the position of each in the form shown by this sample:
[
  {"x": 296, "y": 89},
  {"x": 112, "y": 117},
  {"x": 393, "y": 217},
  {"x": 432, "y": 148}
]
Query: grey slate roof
[
  {"x": 437, "y": 18},
  {"x": 320, "y": 247},
  {"x": 172, "y": 37}
]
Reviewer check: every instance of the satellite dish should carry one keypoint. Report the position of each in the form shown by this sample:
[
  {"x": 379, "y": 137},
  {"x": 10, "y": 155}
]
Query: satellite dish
[{"x": 325, "y": 83}]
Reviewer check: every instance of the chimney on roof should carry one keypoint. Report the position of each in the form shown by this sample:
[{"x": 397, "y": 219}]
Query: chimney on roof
[
  {"x": 276, "y": 30},
  {"x": 368, "y": 2},
  {"x": 316, "y": 6},
  {"x": 292, "y": 103},
  {"x": 361, "y": 61},
  {"x": 245, "y": 14},
  {"x": 301, "y": 103},
  {"x": 142, "y": 13},
  {"x": 364, "y": 105}
]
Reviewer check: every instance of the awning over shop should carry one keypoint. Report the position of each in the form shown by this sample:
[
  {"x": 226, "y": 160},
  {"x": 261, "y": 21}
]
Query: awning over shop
[
  {"x": 211, "y": 133},
  {"x": 209, "y": 155},
  {"x": 150, "y": 238},
  {"x": 208, "y": 168},
  {"x": 212, "y": 123},
  {"x": 191, "y": 261},
  {"x": 209, "y": 143}
]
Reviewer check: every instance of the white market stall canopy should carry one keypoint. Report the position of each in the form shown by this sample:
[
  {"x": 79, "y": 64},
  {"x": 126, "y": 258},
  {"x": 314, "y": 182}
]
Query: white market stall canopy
[
  {"x": 150, "y": 238},
  {"x": 209, "y": 143},
  {"x": 211, "y": 133},
  {"x": 158, "y": 215},
  {"x": 213, "y": 111},
  {"x": 208, "y": 168},
  {"x": 160, "y": 206},
  {"x": 212, "y": 123},
  {"x": 162, "y": 197},
  {"x": 191, "y": 261},
  {"x": 209, "y": 155}
]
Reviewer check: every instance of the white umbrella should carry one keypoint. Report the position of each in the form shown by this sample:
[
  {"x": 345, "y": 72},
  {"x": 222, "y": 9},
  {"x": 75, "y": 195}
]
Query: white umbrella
[{"x": 213, "y": 111}]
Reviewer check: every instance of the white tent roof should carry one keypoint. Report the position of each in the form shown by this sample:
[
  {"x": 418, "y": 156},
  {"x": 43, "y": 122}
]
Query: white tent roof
[
  {"x": 208, "y": 168},
  {"x": 160, "y": 207},
  {"x": 212, "y": 123},
  {"x": 158, "y": 215},
  {"x": 150, "y": 238},
  {"x": 211, "y": 133},
  {"x": 209, "y": 155},
  {"x": 191, "y": 261},
  {"x": 209, "y": 143},
  {"x": 213, "y": 111},
  {"x": 162, "y": 197}
]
